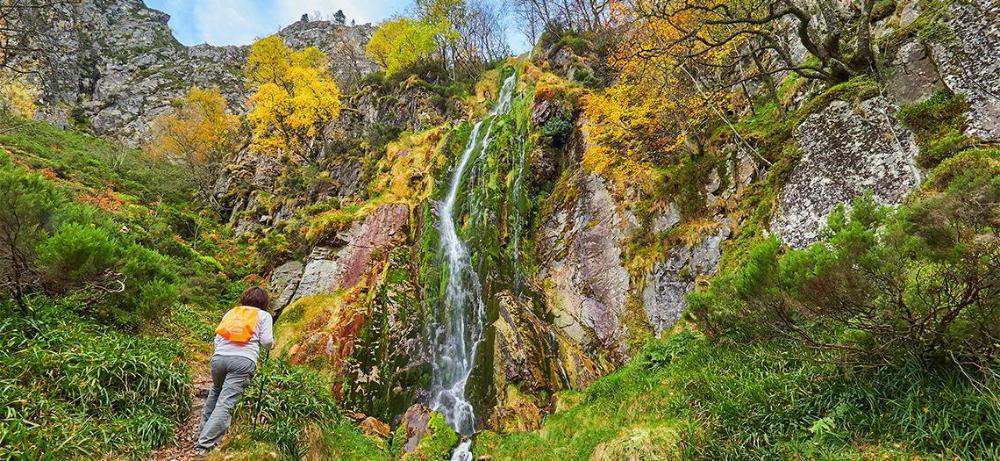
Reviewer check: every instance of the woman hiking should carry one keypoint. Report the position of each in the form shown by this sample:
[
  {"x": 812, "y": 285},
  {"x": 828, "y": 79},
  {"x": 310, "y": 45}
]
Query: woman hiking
[{"x": 244, "y": 330}]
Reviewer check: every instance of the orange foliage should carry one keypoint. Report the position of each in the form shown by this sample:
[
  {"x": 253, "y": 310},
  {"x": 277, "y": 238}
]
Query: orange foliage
[
  {"x": 106, "y": 200},
  {"x": 656, "y": 108}
]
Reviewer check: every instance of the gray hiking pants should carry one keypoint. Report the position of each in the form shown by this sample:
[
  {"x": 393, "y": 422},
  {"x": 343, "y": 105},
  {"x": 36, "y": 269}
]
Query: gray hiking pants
[{"x": 230, "y": 375}]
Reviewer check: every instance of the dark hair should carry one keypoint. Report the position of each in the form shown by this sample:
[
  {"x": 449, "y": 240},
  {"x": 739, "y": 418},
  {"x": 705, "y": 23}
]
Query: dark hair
[{"x": 256, "y": 297}]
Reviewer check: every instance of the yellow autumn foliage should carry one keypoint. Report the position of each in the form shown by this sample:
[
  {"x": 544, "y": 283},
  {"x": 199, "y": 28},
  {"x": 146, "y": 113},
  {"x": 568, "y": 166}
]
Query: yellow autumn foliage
[
  {"x": 295, "y": 97},
  {"x": 17, "y": 95},
  {"x": 199, "y": 134}
]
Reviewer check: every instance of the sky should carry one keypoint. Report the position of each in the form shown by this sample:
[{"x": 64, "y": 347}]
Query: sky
[{"x": 239, "y": 22}]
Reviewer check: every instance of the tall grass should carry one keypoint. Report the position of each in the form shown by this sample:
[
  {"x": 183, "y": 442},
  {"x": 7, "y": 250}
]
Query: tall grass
[{"x": 72, "y": 389}]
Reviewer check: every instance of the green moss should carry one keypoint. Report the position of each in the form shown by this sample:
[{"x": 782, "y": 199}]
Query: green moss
[{"x": 939, "y": 123}]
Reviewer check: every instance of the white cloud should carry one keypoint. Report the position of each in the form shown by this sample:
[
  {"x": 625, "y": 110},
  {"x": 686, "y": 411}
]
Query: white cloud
[{"x": 229, "y": 22}]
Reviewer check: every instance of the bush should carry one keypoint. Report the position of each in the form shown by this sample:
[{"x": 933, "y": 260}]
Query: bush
[
  {"x": 76, "y": 256},
  {"x": 25, "y": 203},
  {"x": 885, "y": 286},
  {"x": 280, "y": 403},
  {"x": 939, "y": 124}
]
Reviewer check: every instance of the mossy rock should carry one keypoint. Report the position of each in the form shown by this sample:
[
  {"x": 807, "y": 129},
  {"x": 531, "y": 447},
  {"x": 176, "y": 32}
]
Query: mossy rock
[{"x": 424, "y": 435}]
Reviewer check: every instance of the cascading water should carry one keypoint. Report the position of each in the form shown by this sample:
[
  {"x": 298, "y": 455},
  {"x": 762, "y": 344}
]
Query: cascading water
[{"x": 462, "y": 313}]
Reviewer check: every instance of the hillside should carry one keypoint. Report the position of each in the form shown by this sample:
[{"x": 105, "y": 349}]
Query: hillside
[{"x": 586, "y": 252}]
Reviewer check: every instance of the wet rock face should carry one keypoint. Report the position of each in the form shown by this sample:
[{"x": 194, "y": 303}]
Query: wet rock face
[
  {"x": 586, "y": 283},
  {"x": 284, "y": 281},
  {"x": 845, "y": 151},
  {"x": 969, "y": 64},
  {"x": 667, "y": 285},
  {"x": 321, "y": 267},
  {"x": 534, "y": 355},
  {"x": 380, "y": 230},
  {"x": 115, "y": 64}
]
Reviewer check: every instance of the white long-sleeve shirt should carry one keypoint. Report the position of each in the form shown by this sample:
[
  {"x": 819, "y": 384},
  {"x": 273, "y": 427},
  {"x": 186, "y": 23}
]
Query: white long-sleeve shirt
[{"x": 263, "y": 336}]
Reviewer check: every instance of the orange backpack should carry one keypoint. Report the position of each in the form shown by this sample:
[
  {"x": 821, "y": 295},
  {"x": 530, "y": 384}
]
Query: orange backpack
[{"x": 238, "y": 325}]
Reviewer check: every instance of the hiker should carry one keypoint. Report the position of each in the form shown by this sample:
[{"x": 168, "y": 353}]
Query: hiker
[{"x": 244, "y": 330}]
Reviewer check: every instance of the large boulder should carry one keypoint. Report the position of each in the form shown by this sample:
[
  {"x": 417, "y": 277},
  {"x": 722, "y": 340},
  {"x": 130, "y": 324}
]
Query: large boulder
[{"x": 846, "y": 150}]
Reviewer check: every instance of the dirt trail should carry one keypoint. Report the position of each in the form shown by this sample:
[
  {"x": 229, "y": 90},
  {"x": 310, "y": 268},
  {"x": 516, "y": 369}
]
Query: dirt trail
[{"x": 182, "y": 448}]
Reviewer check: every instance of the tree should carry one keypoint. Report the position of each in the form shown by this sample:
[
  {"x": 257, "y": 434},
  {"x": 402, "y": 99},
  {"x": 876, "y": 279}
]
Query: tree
[
  {"x": 17, "y": 95},
  {"x": 471, "y": 32},
  {"x": 200, "y": 135},
  {"x": 837, "y": 34},
  {"x": 655, "y": 108},
  {"x": 400, "y": 43},
  {"x": 537, "y": 16},
  {"x": 294, "y": 98}
]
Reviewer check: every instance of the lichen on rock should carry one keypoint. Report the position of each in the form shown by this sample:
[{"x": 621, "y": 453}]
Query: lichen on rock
[{"x": 846, "y": 150}]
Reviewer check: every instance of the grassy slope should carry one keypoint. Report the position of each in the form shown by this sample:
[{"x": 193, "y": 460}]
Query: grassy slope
[
  {"x": 686, "y": 397},
  {"x": 76, "y": 387}
]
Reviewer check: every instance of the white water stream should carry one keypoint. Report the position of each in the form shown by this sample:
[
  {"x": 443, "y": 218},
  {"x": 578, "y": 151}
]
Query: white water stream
[{"x": 460, "y": 327}]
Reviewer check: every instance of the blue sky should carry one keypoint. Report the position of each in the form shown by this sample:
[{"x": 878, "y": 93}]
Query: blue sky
[{"x": 239, "y": 22}]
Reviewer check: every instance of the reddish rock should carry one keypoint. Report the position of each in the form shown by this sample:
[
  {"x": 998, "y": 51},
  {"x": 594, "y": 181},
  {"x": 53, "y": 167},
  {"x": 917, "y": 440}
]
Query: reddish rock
[
  {"x": 372, "y": 426},
  {"x": 380, "y": 231}
]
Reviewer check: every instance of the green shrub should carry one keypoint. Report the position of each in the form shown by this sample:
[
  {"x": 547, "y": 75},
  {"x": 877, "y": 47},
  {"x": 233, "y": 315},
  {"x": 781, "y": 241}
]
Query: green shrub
[
  {"x": 26, "y": 200},
  {"x": 557, "y": 130},
  {"x": 77, "y": 255},
  {"x": 280, "y": 402},
  {"x": 884, "y": 286}
]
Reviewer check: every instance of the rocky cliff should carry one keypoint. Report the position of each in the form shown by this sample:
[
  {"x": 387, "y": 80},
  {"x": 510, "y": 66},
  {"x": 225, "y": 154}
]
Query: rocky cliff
[{"x": 113, "y": 65}]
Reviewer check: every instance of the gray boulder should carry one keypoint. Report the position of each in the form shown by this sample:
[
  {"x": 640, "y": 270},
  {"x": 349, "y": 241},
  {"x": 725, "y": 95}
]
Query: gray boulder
[{"x": 846, "y": 150}]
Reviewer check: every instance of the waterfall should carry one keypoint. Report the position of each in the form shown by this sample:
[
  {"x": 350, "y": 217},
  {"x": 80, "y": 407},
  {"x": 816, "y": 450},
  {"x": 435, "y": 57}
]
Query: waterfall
[
  {"x": 462, "y": 314},
  {"x": 517, "y": 215}
]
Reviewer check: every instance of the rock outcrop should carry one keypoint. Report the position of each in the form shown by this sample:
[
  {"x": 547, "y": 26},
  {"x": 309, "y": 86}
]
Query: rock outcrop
[
  {"x": 586, "y": 283},
  {"x": 969, "y": 63},
  {"x": 846, "y": 150},
  {"x": 327, "y": 269},
  {"x": 113, "y": 66},
  {"x": 665, "y": 295}
]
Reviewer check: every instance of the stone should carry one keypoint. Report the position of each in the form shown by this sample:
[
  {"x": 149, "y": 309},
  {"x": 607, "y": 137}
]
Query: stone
[
  {"x": 320, "y": 269},
  {"x": 915, "y": 77},
  {"x": 533, "y": 354},
  {"x": 667, "y": 218},
  {"x": 586, "y": 284},
  {"x": 969, "y": 64},
  {"x": 909, "y": 12},
  {"x": 414, "y": 425},
  {"x": 283, "y": 283},
  {"x": 382, "y": 229},
  {"x": 664, "y": 297},
  {"x": 372, "y": 426},
  {"x": 845, "y": 151}
]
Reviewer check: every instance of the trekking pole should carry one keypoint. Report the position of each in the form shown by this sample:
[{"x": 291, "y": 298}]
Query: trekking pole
[{"x": 260, "y": 388}]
